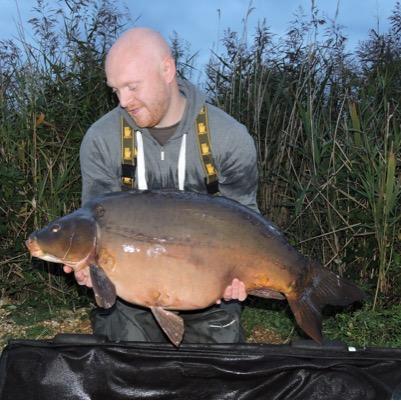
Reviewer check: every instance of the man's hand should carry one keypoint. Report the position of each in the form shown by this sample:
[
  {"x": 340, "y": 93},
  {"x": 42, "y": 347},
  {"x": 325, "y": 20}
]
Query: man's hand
[
  {"x": 234, "y": 291},
  {"x": 82, "y": 276}
]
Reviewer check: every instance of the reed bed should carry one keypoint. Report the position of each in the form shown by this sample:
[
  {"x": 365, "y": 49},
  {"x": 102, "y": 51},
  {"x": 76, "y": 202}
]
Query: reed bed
[{"x": 327, "y": 128}]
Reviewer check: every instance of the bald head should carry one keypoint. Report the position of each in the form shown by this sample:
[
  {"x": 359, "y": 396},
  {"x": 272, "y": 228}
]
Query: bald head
[{"x": 142, "y": 43}]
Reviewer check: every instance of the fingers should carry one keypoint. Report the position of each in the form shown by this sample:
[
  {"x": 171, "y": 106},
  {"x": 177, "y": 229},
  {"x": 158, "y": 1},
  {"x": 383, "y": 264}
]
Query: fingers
[
  {"x": 228, "y": 293},
  {"x": 238, "y": 290},
  {"x": 67, "y": 269},
  {"x": 234, "y": 291},
  {"x": 82, "y": 276},
  {"x": 241, "y": 291}
]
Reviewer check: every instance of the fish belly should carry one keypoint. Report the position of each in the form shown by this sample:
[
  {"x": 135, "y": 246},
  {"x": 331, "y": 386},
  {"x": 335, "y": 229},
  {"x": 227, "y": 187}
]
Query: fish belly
[{"x": 172, "y": 277}]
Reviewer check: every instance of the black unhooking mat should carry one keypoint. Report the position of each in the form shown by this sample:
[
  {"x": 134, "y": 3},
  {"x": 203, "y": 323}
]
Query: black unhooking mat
[{"x": 76, "y": 367}]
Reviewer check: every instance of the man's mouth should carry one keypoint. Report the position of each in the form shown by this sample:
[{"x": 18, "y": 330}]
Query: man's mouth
[{"x": 134, "y": 112}]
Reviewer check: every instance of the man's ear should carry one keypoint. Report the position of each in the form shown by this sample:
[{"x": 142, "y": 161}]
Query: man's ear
[{"x": 168, "y": 69}]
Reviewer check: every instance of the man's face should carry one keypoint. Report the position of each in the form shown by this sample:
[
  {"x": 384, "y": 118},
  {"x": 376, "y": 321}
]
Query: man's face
[{"x": 141, "y": 89}]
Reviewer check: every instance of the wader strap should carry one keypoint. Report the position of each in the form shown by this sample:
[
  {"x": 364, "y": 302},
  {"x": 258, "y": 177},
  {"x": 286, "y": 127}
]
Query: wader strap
[
  {"x": 205, "y": 149},
  {"x": 128, "y": 156}
]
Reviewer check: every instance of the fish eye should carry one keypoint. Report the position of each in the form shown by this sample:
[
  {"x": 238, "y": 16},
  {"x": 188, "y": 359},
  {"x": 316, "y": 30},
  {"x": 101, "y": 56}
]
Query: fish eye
[{"x": 56, "y": 227}]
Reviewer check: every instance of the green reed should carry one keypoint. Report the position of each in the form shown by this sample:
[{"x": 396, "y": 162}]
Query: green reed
[{"x": 326, "y": 124}]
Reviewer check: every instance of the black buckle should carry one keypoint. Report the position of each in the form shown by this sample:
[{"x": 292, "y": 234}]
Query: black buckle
[{"x": 128, "y": 170}]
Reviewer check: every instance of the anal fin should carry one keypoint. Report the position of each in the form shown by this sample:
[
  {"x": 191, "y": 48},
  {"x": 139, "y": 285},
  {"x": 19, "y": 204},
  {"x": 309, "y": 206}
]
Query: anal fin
[
  {"x": 266, "y": 293},
  {"x": 104, "y": 289},
  {"x": 171, "y": 323}
]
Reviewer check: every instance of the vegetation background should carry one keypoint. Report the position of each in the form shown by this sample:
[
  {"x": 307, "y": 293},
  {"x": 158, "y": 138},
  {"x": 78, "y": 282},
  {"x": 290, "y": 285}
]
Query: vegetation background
[{"x": 326, "y": 122}]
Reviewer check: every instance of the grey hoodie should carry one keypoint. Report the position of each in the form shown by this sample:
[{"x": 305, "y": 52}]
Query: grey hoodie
[{"x": 233, "y": 152}]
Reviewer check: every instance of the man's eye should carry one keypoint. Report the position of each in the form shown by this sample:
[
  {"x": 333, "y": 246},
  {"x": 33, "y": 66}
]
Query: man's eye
[{"x": 132, "y": 88}]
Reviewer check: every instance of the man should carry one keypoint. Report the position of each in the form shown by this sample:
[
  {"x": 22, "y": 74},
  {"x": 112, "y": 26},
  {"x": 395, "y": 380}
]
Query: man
[{"x": 162, "y": 111}]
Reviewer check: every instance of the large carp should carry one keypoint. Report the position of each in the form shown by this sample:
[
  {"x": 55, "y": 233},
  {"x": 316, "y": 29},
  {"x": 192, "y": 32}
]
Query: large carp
[{"x": 172, "y": 251}]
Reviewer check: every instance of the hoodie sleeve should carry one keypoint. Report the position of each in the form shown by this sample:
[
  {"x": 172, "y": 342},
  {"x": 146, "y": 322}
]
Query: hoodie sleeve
[
  {"x": 237, "y": 166},
  {"x": 98, "y": 175}
]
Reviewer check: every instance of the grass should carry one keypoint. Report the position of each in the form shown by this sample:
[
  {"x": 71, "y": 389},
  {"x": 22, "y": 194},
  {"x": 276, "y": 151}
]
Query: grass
[
  {"x": 271, "y": 316},
  {"x": 363, "y": 327},
  {"x": 38, "y": 322},
  {"x": 367, "y": 327}
]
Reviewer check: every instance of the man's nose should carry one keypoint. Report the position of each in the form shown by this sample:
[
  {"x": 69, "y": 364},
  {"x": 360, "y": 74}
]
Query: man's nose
[{"x": 125, "y": 97}]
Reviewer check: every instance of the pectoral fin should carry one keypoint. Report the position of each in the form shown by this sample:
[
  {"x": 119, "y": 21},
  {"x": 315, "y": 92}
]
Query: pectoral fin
[
  {"x": 104, "y": 289},
  {"x": 266, "y": 293},
  {"x": 171, "y": 323}
]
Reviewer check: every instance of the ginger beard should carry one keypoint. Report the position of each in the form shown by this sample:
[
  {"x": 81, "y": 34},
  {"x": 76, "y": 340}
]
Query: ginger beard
[{"x": 150, "y": 112}]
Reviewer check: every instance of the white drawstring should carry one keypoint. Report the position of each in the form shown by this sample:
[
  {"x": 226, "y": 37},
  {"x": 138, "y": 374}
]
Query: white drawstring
[
  {"x": 142, "y": 185},
  {"x": 182, "y": 163}
]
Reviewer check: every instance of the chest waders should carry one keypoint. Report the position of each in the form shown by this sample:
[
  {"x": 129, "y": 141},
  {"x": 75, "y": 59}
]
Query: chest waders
[{"x": 126, "y": 322}]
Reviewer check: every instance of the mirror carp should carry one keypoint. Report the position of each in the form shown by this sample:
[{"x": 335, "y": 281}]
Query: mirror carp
[{"x": 173, "y": 251}]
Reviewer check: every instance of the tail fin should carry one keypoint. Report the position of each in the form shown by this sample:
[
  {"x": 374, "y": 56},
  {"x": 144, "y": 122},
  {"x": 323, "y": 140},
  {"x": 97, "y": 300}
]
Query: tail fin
[{"x": 322, "y": 288}]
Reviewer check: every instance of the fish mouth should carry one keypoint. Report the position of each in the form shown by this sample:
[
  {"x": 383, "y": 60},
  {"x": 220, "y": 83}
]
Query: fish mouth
[
  {"x": 37, "y": 252},
  {"x": 33, "y": 247}
]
